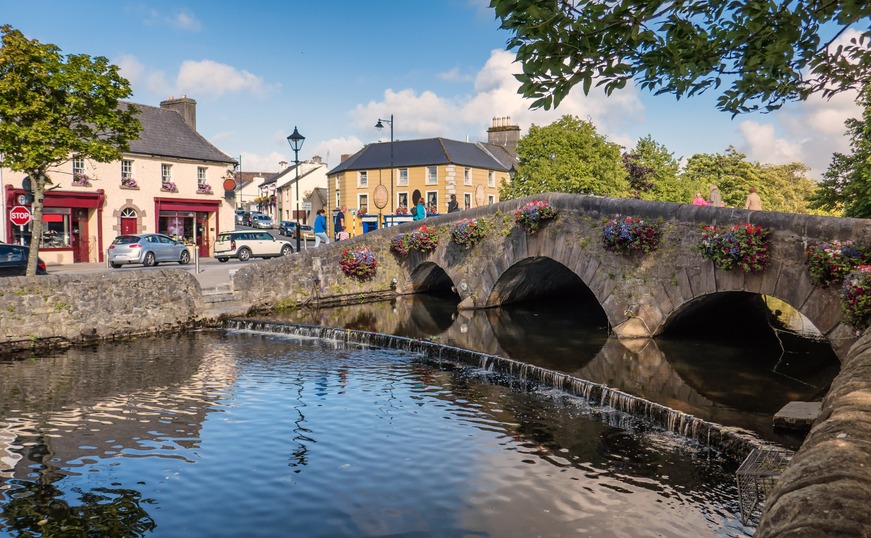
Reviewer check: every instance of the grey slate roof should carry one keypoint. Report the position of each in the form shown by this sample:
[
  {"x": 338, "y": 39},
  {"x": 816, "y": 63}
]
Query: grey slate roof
[
  {"x": 165, "y": 134},
  {"x": 427, "y": 152}
]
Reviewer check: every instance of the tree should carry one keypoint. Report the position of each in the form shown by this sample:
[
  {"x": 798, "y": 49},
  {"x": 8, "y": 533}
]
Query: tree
[
  {"x": 730, "y": 172},
  {"x": 567, "y": 156},
  {"x": 765, "y": 52},
  {"x": 653, "y": 172},
  {"x": 53, "y": 107},
  {"x": 846, "y": 185}
]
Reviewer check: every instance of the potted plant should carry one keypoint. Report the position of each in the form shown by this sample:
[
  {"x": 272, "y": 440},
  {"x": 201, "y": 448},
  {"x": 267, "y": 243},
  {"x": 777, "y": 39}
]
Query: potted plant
[
  {"x": 829, "y": 262},
  {"x": 629, "y": 235},
  {"x": 744, "y": 246},
  {"x": 531, "y": 216},
  {"x": 80, "y": 179},
  {"x": 856, "y": 298},
  {"x": 467, "y": 233},
  {"x": 358, "y": 263},
  {"x": 424, "y": 239}
]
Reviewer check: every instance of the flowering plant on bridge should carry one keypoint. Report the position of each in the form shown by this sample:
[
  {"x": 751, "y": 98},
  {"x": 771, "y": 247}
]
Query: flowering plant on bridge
[
  {"x": 399, "y": 244},
  {"x": 359, "y": 262},
  {"x": 829, "y": 263},
  {"x": 532, "y": 215},
  {"x": 629, "y": 235},
  {"x": 424, "y": 239},
  {"x": 744, "y": 246},
  {"x": 467, "y": 233},
  {"x": 856, "y": 298}
]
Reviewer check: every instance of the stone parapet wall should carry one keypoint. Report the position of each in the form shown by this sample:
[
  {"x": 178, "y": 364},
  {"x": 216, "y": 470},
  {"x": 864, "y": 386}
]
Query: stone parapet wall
[
  {"x": 826, "y": 490},
  {"x": 99, "y": 305}
]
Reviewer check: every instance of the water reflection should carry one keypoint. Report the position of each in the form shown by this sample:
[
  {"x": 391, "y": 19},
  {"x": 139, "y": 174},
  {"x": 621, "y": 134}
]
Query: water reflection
[{"x": 707, "y": 373}]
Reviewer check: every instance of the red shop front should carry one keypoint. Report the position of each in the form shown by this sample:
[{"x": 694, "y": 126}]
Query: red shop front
[
  {"x": 190, "y": 221},
  {"x": 71, "y": 223}
]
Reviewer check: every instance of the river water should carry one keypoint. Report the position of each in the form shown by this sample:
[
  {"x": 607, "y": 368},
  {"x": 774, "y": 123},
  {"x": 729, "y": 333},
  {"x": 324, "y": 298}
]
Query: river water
[{"x": 250, "y": 433}]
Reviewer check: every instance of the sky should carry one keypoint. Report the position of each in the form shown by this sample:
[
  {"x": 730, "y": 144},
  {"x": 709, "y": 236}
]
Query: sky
[{"x": 333, "y": 68}]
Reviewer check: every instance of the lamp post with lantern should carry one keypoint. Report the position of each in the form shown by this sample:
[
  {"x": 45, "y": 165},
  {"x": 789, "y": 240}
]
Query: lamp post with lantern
[
  {"x": 379, "y": 126},
  {"x": 296, "y": 140}
]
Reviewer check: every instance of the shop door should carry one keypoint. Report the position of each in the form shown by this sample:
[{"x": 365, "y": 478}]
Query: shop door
[
  {"x": 128, "y": 226},
  {"x": 202, "y": 234},
  {"x": 80, "y": 236}
]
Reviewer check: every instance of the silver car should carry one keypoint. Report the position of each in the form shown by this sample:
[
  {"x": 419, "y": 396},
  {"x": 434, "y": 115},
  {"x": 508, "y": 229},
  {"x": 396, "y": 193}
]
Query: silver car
[{"x": 147, "y": 249}]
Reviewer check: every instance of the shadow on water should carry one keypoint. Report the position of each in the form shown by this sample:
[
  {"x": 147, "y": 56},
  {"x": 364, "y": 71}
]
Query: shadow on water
[{"x": 730, "y": 360}]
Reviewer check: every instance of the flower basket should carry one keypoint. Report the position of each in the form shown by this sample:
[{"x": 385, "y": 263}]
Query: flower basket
[
  {"x": 399, "y": 244},
  {"x": 531, "y": 216},
  {"x": 358, "y": 263},
  {"x": 829, "y": 263},
  {"x": 467, "y": 233},
  {"x": 169, "y": 186},
  {"x": 129, "y": 183},
  {"x": 424, "y": 239},
  {"x": 81, "y": 180},
  {"x": 630, "y": 235},
  {"x": 742, "y": 246},
  {"x": 856, "y": 298},
  {"x": 204, "y": 189}
]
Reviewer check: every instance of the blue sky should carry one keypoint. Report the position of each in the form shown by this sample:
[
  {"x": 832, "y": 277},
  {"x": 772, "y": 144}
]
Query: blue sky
[{"x": 334, "y": 68}]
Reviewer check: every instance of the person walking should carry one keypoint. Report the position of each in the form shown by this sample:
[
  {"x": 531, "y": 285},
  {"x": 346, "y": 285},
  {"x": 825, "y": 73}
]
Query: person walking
[
  {"x": 420, "y": 210},
  {"x": 340, "y": 224},
  {"x": 320, "y": 229},
  {"x": 754, "y": 202},
  {"x": 453, "y": 205},
  {"x": 715, "y": 198}
]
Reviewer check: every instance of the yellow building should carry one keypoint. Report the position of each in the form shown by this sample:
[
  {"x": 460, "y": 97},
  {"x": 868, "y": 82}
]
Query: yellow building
[{"x": 395, "y": 174}]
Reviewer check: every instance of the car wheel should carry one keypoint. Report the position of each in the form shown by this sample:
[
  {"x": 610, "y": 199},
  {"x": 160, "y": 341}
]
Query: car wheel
[
  {"x": 114, "y": 265},
  {"x": 185, "y": 257},
  {"x": 244, "y": 254},
  {"x": 149, "y": 261},
  {"x": 286, "y": 250},
  {"x": 223, "y": 260}
]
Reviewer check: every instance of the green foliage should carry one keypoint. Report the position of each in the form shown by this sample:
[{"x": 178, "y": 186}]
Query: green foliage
[
  {"x": 856, "y": 298},
  {"x": 829, "y": 263},
  {"x": 567, "y": 156},
  {"x": 764, "y": 53},
  {"x": 629, "y": 235},
  {"x": 846, "y": 185},
  {"x": 53, "y": 107},
  {"x": 743, "y": 246},
  {"x": 653, "y": 173},
  {"x": 467, "y": 233},
  {"x": 424, "y": 239},
  {"x": 531, "y": 216}
]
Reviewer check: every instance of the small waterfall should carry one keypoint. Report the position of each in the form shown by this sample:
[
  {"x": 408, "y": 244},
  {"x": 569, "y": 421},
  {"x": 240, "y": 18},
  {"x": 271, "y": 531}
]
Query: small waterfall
[{"x": 734, "y": 442}]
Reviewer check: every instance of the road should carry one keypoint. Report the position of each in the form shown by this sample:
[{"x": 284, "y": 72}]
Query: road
[{"x": 212, "y": 273}]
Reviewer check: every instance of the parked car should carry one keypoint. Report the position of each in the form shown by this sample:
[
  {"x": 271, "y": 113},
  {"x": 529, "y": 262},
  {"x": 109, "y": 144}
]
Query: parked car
[
  {"x": 286, "y": 227},
  {"x": 147, "y": 249},
  {"x": 262, "y": 221},
  {"x": 250, "y": 216},
  {"x": 245, "y": 245},
  {"x": 13, "y": 261},
  {"x": 241, "y": 216},
  {"x": 305, "y": 229}
]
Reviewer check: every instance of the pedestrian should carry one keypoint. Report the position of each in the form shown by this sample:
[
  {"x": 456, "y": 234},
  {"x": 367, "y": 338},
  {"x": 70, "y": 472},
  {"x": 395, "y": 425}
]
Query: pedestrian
[
  {"x": 320, "y": 229},
  {"x": 716, "y": 199},
  {"x": 419, "y": 210},
  {"x": 700, "y": 200},
  {"x": 754, "y": 202},
  {"x": 340, "y": 224},
  {"x": 453, "y": 205}
]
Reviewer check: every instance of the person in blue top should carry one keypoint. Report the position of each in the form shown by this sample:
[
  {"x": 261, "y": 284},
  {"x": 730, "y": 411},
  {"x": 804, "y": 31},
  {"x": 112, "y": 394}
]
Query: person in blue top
[
  {"x": 419, "y": 210},
  {"x": 320, "y": 229}
]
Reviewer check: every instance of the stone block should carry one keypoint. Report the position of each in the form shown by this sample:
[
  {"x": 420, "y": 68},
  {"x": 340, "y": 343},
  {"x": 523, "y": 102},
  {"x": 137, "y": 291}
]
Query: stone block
[{"x": 797, "y": 415}]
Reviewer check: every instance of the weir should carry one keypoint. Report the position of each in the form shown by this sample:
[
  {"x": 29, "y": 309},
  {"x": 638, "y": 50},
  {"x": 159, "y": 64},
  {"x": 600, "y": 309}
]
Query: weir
[{"x": 734, "y": 442}]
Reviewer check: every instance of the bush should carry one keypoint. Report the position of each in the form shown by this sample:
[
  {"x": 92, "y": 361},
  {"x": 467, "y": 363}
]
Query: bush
[
  {"x": 829, "y": 263},
  {"x": 467, "y": 233},
  {"x": 531, "y": 216},
  {"x": 744, "y": 246},
  {"x": 856, "y": 298},
  {"x": 629, "y": 235},
  {"x": 424, "y": 239},
  {"x": 359, "y": 263}
]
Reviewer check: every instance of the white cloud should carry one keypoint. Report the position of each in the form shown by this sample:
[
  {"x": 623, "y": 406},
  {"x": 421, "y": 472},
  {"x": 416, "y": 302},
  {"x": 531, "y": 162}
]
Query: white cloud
[
  {"x": 185, "y": 21},
  {"x": 762, "y": 145},
  {"x": 207, "y": 77},
  {"x": 252, "y": 162},
  {"x": 331, "y": 151},
  {"x": 181, "y": 19},
  {"x": 454, "y": 75}
]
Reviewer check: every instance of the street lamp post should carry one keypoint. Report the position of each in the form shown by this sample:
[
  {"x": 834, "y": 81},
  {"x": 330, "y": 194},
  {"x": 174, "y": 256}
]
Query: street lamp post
[
  {"x": 296, "y": 140},
  {"x": 380, "y": 126}
]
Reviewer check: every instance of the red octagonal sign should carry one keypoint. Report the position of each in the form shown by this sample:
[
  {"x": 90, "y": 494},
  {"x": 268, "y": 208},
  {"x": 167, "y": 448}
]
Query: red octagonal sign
[{"x": 19, "y": 215}]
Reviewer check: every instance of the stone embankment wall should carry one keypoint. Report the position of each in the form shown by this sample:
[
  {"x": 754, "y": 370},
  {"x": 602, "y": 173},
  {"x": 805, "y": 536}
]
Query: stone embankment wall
[{"x": 84, "y": 307}]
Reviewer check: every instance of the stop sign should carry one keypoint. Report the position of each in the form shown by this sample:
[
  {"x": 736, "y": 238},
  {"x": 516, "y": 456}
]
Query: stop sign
[{"x": 19, "y": 215}]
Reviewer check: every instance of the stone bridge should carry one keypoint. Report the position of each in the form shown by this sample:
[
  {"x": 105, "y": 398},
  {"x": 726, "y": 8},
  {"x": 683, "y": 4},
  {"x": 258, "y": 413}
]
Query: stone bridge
[{"x": 641, "y": 294}]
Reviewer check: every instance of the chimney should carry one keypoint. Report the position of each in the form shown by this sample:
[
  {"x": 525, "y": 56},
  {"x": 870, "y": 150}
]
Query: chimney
[
  {"x": 282, "y": 164},
  {"x": 185, "y": 106},
  {"x": 317, "y": 159},
  {"x": 345, "y": 157},
  {"x": 502, "y": 133}
]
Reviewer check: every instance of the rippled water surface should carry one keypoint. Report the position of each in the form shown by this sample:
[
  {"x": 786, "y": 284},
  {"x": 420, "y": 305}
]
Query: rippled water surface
[{"x": 246, "y": 434}]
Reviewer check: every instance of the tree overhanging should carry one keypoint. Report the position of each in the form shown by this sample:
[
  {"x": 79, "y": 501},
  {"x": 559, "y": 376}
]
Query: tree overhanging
[{"x": 759, "y": 54}]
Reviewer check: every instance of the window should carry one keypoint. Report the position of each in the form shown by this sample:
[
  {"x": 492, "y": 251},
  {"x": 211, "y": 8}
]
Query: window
[
  {"x": 128, "y": 213},
  {"x": 467, "y": 200},
  {"x": 402, "y": 181},
  {"x": 126, "y": 171},
  {"x": 201, "y": 175},
  {"x": 402, "y": 200},
  {"x": 432, "y": 201},
  {"x": 432, "y": 175},
  {"x": 165, "y": 173},
  {"x": 337, "y": 182},
  {"x": 55, "y": 228},
  {"x": 491, "y": 178},
  {"x": 467, "y": 176},
  {"x": 363, "y": 203},
  {"x": 363, "y": 178},
  {"x": 491, "y": 199},
  {"x": 78, "y": 165},
  {"x": 338, "y": 199}
]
